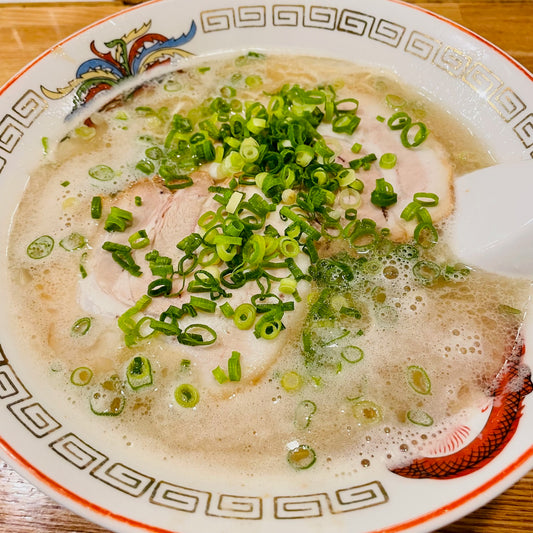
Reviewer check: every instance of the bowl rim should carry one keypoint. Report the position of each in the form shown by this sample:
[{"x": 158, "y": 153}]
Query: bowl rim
[{"x": 88, "y": 509}]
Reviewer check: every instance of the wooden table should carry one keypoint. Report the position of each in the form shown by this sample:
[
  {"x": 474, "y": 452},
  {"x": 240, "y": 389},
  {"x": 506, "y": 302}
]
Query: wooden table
[{"x": 29, "y": 29}]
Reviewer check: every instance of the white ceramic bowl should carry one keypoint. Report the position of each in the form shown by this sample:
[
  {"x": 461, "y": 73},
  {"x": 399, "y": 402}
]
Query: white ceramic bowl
[{"x": 109, "y": 484}]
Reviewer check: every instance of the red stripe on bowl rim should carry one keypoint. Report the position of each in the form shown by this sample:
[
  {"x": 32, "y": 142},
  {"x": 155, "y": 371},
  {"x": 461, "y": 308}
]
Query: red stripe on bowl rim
[{"x": 95, "y": 509}]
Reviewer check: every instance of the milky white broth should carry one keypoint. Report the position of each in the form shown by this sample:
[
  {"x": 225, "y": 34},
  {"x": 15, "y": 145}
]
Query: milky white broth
[{"x": 456, "y": 331}]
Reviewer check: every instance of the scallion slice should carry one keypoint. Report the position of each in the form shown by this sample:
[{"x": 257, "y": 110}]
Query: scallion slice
[
  {"x": 292, "y": 381},
  {"x": 41, "y": 247},
  {"x": 96, "y": 207},
  {"x": 80, "y": 327},
  {"x": 387, "y": 161},
  {"x": 81, "y": 376},
  {"x": 139, "y": 373},
  {"x": 426, "y": 235},
  {"x": 72, "y": 242},
  {"x": 187, "y": 395},
  {"x": 227, "y": 310},
  {"x": 301, "y": 457},
  {"x": 419, "y": 417},
  {"x": 139, "y": 239},
  {"x": 108, "y": 399},
  {"x": 220, "y": 375},
  {"x": 410, "y": 140},
  {"x": 193, "y": 335},
  {"x": 203, "y": 304},
  {"x": 383, "y": 195},
  {"x": 418, "y": 379},
  {"x": 118, "y": 219},
  {"x": 352, "y": 354},
  {"x": 244, "y": 316},
  {"x": 234, "y": 366},
  {"x": 367, "y": 412},
  {"x": 102, "y": 173}
]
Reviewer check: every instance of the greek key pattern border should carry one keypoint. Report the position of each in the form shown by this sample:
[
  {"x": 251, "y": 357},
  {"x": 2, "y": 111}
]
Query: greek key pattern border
[
  {"x": 85, "y": 459},
  {"x": 14, "y": 124},
  {"x": 457, "y": 63}
]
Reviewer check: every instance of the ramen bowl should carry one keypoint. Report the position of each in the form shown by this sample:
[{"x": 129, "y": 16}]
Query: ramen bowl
[{"x": 124, "y": 488}]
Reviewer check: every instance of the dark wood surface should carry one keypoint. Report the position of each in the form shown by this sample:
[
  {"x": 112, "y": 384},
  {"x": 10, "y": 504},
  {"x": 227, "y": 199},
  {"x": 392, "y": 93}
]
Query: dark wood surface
[{"x": 27, "y": 30}]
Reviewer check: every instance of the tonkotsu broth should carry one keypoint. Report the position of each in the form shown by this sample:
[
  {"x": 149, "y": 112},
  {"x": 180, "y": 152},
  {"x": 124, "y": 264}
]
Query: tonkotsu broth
[{"x": 457, "y": 332}]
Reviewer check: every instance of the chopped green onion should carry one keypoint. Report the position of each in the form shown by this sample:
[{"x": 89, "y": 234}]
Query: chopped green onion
[
  {"x": 426, "y": 272},
  {"x": 411, "y": 141},
  {"x": 508, "y": 310},
  {"x": 288, "y": 285},
  {"x": 186, "y": 395},
  {"x": 227, "y": 310},
  {"x": 426, "y": 235},
  {"x": 74, "y": 241},
  {"x": 383, "y": 195},
  {"x": 234, "y": 367},
  {"x": 65, "y": 183},
  {"x": 80, "y": 327},
  {"x": 399, "y": 121},
  {"x": 387, "y": 161},
  {"x": 234, "y": 201},
  {"x": 345, "y": 124},
  {"x": 102, "y": 173},
  {"x": 85, "y": 132},
  {"x": 96, "y": 207},
  {"x": 220, "y": 375},
  {"x": 303, "y": 155},
  {"x": 203, "y": 304},
  {"x": 138, "y": 201},
  {"x": 418, "y": 379},
  {"x": 118, "y": 219},
  {"x": 108, "y": 399},
  {"x": 423, "y": 216},
  {"x": 289, "y": 247},
  {"x": 139, "y": 373},
  {"x": 244, "y": 316},
  {"x": 291, "y": 381},
  {"x": 419, "y": 417},
  {"x": 139, "y": 239},
  {"x": 304, "y": 411},
  {"x": 349, "y": 198},
  {"x": 267, "y": 328},
  {"x": 40, "y": 247},
  {"x": 410, "y": 210},
  {"x": 395, "y": 101},
  {"x": 352, "y": 354},
  {"x": 356, "y": 148},
  {"x": 145, "y": 166},
  {"x": 192, "y": 335},
  {"x": 228, "y": 91},
  {"x": 159, "y": 287},
  {"x": 253, "y": 81},
  {"x": 301, "y": 457},
  {"x": 83, "y": 271},
  {"x": 427, "y": 199},
  {"x": 367, "y": 412},
  {"x": 253, "y": 251},
  {"x": 81, "y": 376}
]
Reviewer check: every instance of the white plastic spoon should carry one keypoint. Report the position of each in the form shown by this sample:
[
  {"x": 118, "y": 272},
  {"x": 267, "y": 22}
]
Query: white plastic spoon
[{"x": 493, "y": 223}]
